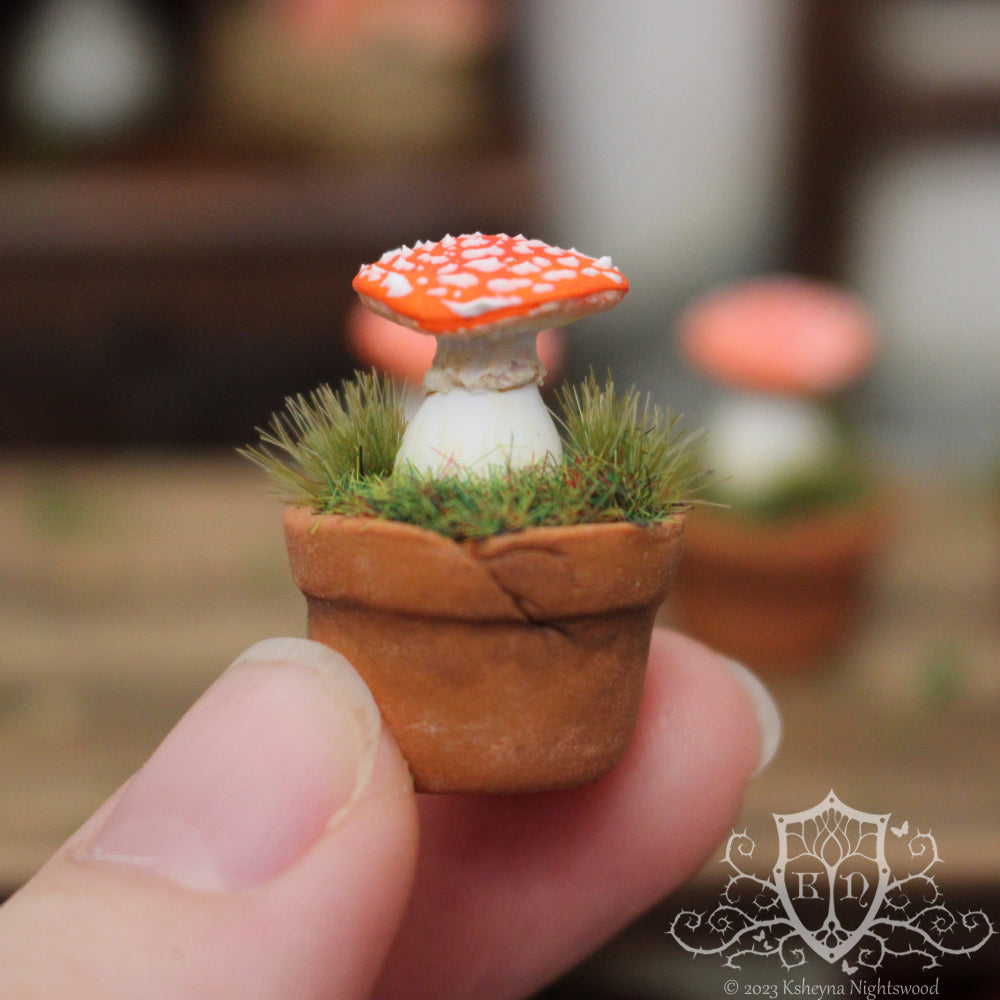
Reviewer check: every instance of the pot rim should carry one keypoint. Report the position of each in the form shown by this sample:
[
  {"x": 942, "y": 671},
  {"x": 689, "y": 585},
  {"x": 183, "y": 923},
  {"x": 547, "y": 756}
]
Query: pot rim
[{"x": 538, "y": 573}]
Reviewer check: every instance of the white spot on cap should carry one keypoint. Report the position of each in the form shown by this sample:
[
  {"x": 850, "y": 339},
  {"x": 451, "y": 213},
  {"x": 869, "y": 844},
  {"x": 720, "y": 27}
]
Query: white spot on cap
[
  {"x": 485, "y": 264},
  {"x": 396, "y": 285},
  {"x": 484, "y": 304},
  {"x": 524, "y": 267},
  {"x": 502, "y": 285},
  {"x": 543, "y": 288},
  {"x": 564, "y": 275},
  {"x": 461, "y": 280},
  {"x": 473, "y": 253}
]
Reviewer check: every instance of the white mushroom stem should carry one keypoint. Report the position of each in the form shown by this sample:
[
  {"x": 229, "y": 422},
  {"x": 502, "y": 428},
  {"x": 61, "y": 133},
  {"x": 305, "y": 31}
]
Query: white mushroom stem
[
  {"x": 483, "y": 409},
  {"x": 762, "y": 440},
  {"x": 489, "y": 362}
]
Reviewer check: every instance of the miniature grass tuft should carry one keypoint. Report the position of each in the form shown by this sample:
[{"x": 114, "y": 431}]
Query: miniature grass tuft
[
  {"x": 637, "y": 450},
  {"x": 323, "y": 441},
  {"x": 624, "y": 460}
]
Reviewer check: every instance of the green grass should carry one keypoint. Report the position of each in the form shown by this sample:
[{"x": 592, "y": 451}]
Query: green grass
[
  {"x": 323, "y": 441},
  {"x": 624, "y": 460}
]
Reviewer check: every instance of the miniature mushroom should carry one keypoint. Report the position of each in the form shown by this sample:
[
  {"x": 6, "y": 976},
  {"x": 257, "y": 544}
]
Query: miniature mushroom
[
  {"x": 781, "y": 343},
  {"x": 485, "y": 298}
]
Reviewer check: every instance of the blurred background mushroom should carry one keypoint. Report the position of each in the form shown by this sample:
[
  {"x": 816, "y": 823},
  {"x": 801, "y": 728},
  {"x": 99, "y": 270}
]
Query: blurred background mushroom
[
  {"x": 84, "y": 71},
  {"x": 781, "y": 348},
  {"x": 776, "y": 568},
  {"x": 364, "y": 79}
]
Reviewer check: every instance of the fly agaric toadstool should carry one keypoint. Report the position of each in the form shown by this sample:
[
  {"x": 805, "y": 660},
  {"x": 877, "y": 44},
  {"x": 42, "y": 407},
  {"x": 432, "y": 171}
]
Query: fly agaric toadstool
[
  {"x": 775, "y": 577},
  {"x": 485, "y": 298},
  {"x": 780, "y": 342}
]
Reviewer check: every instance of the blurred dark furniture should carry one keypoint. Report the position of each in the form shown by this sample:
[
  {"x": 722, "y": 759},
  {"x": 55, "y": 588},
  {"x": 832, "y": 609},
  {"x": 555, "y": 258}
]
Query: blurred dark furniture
[
  {"x": 856, "y": 103},
  {"x": 175, "y": 287},
  {"x": 162, "y": 304}
]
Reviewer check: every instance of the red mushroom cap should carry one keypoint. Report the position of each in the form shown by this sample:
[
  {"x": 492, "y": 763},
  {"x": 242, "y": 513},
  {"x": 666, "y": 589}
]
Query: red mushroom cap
[
  {"x": 476, "y": 284},
  {"x": 779, "y": 334}
]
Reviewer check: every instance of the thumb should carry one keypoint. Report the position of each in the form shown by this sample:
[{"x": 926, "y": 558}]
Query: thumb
[{"x": 266, "y": 849}]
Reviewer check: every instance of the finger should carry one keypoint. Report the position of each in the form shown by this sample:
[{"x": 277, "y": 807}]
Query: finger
[
  {"x": 522, "y": 888},
  {"x": 265, "y": 850}
]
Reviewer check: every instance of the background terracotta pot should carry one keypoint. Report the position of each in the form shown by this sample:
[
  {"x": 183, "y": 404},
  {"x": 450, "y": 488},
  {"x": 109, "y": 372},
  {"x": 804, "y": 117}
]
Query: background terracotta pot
[
  {"x": 511, "y": 664},
  {"x": 776, "y": 596}
]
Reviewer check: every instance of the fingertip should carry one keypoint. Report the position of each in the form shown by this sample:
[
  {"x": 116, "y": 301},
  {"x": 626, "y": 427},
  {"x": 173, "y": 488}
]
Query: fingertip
[
  {"x": 709, "y": 678},
  {"x": 765, "y": 709}
]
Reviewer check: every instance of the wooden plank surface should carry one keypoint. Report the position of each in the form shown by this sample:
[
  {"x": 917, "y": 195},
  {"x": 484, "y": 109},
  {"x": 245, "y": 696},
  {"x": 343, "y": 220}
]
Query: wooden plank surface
[{"x": 127, "y": 585}]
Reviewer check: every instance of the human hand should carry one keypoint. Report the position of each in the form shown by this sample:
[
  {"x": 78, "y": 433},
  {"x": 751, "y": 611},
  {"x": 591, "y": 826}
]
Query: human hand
[{"x": 269, "y": 848}]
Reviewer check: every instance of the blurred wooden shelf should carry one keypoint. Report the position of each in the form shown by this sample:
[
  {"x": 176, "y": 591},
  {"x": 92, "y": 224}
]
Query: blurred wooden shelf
[
  {"x": 180, "y": 302},
  {"x": 128, "y": 584},
  {"x": 162, "y": 210}
]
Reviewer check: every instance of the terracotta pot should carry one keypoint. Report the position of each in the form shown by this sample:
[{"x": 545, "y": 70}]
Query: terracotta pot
[
  {"x": 511, "y": 664},
  {"x": 778, "y": 596}
]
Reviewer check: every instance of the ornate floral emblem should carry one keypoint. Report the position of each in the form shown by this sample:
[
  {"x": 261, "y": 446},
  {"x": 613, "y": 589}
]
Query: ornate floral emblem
[{"x": 833, "y": 891}]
